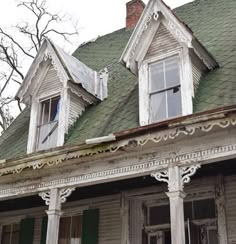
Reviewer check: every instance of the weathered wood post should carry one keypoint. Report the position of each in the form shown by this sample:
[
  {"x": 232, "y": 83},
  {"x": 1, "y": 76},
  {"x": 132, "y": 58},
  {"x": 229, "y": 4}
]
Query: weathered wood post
[
  {"x": 54, "y": 198},
  {"x": 176, "y": 177}
]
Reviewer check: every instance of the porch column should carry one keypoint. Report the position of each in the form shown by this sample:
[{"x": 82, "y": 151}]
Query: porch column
[
  {"x": 54, "y": 198},
  {"x": 176, "y": 177}
]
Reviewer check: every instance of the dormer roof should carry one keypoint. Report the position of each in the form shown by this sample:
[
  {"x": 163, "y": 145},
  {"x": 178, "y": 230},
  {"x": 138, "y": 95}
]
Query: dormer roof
[
  {"x": 68, "y": 68},
  {"x": 120, "y": 110},
  {"x": 145, "y": 30}
]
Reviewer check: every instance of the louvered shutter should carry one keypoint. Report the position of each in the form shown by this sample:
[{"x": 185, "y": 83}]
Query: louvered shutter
[
  {"x": 44, "y": 230},
  {"x": 27, "y": 231},
  {"x": 90, "y": 226}
]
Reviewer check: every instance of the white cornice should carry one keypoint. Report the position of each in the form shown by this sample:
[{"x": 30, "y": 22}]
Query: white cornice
[
  {"x": 142, "y": 167},
  {"x": 155, "y": 137}
]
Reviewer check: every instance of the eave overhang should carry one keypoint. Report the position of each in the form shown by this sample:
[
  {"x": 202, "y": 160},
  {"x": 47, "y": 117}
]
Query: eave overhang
[
  {"x": 138, "y": 137},
  {"x": 93, "y": 83}
]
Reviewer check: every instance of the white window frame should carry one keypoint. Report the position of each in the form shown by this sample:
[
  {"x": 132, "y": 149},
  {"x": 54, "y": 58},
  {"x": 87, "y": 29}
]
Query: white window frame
[
  {"x": 39, "y": 119},
  {"x": 36, "y": 114},
  {"x": 164, "y": 90},
  {"x": 153, "y": 230},
  {"x": 186, "y": 84}
]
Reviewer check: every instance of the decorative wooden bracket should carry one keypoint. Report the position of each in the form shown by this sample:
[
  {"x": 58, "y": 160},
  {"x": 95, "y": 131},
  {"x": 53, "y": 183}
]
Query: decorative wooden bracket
[
  {"x": 176, "y": 176},
  {"x": 63, "y": 194}
]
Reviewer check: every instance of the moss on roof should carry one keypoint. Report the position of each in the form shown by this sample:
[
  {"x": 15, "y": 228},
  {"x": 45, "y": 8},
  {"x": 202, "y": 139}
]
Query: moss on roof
[{"x": 213, "y": 23}]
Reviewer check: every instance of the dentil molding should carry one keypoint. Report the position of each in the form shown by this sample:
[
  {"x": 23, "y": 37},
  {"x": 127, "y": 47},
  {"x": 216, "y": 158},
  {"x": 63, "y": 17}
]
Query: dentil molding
[
  {"x": 157, "y": 137},
  {"x": 143, "y": 166}
]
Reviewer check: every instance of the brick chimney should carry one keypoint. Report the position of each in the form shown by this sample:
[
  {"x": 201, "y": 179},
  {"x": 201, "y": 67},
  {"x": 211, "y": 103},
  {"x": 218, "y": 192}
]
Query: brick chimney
[{"x": 134, "y": 10}]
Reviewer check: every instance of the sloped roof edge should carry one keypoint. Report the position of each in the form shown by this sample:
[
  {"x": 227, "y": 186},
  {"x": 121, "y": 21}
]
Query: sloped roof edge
[
  {"x": 181, "y": 30},
  {"x": 68, "y": 68}
]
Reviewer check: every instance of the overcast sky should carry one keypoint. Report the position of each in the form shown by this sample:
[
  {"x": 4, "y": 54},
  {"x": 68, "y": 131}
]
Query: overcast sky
[{"x": 95, "y": 17}]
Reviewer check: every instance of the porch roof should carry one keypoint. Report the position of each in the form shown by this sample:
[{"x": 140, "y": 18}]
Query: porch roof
[{"x": 213, "y": 23}]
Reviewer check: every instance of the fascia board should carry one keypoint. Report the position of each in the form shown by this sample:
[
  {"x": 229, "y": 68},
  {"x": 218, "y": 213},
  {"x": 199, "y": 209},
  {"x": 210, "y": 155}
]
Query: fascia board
[
  {"x": 203, "y": 54},
  {"x": 136, "y": 34},
  {"x": 170, "y": 16},
  {"x": 45, "y": 49},
  {"x": 31, "y": 72}
]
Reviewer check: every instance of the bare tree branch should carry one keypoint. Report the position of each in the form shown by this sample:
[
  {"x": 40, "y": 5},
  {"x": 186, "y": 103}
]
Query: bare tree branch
[
  {"x": 15, "y": 42},
  {"x": 8, "y": 78},
  {"x": 13, "y": 52}
]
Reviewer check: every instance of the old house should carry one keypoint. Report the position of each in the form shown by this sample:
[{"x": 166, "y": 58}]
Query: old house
[{"x": 132, "y": 140}]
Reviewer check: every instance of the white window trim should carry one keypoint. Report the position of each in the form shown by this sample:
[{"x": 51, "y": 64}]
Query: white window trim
[
  {"x": 186, "y": 84},
  {"x": 35, "y": 117}
]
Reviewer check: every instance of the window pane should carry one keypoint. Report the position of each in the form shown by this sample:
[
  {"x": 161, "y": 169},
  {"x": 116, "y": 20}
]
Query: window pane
[
  {"x": 204, "y": 209},
  {"x": 70, "y": 230},
  {"x": 64, "y": 230},
  {"x": 45, "y": 112},
  {"x": 153, "y": 240},
  {"x": 10, "y": 234},
  {"x": 47, "y": 135},
  {"x": 158, "y": 107},
  {"x": 54, "y": 109},
  {"x": 157, "y": 77},
  {"x": 174, "y": 102},
  {"x": 212, "y": 236},
  {"x": 76, "y": 229},
  {"x": 6, "y": 234},
  {"x": 172, "y": 72},
  {"x": 167, "y": 237},
  {"x": 188, "y": 211},
  {"x": 159, "y": 215}
]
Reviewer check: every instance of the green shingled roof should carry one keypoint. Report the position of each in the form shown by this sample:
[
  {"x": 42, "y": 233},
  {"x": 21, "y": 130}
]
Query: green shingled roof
[{"x": 213, "y": 23}]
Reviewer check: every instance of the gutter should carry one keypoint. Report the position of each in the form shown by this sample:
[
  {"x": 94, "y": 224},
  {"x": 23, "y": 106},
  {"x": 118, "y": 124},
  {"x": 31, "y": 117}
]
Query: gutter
[
  {"x": 109, "y": 138},
  {"x": 104, "y": 143}
]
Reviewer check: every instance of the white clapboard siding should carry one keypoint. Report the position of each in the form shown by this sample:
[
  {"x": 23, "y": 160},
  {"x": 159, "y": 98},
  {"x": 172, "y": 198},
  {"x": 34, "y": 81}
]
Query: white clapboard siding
[
  {"x": 197, "y": 74},
  {"x": 109, "y": 221},
  {"x": 200, "y": 188},
  {"x": 51, "y": 83},
  {"x": 76, "y": 108},
  {"x": 163, "y": 43},
  {"x": 230, "y": 193}
]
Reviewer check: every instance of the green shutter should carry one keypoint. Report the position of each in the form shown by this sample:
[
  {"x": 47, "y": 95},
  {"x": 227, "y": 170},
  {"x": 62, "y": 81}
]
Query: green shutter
[
  {"x": 44, "y": 230},
  {"x": 27, "y": 231},
  {"x": 90, "y": 226}
]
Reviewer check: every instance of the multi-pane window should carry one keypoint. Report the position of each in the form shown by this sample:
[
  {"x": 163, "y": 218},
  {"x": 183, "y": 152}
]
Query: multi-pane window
[
  {"x": 70, "y": 231},
  {"x": 48, "y": 124},
  {"x": 10, "y": 234},
  {"x": 164, "y": 89},
  {"x": 200, "y": 226}
]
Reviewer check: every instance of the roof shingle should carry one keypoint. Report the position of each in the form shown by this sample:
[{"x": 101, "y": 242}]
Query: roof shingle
[{"x": 213, "y": 23}]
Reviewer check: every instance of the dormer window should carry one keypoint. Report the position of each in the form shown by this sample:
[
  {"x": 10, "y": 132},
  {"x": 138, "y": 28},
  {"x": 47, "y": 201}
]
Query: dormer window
[
  {"x": 48, "y": 123},
  {"x": 164, "y": 89},
  {"x": 168, "y": 61},
  {"x": 58, "y": 88}
]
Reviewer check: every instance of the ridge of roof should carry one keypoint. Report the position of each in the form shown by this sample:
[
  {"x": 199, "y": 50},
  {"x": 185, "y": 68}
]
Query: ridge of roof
[{"x": 119, "y": 112}]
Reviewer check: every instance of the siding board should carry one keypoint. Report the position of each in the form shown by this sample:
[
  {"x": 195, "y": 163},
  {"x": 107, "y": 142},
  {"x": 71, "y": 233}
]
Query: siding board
[
  {"x": 163, "y": 43},
  {"x": 230, "y": 192},
  {"x": 76, "y": 108},
  {"x": 51, "y": 83}
]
